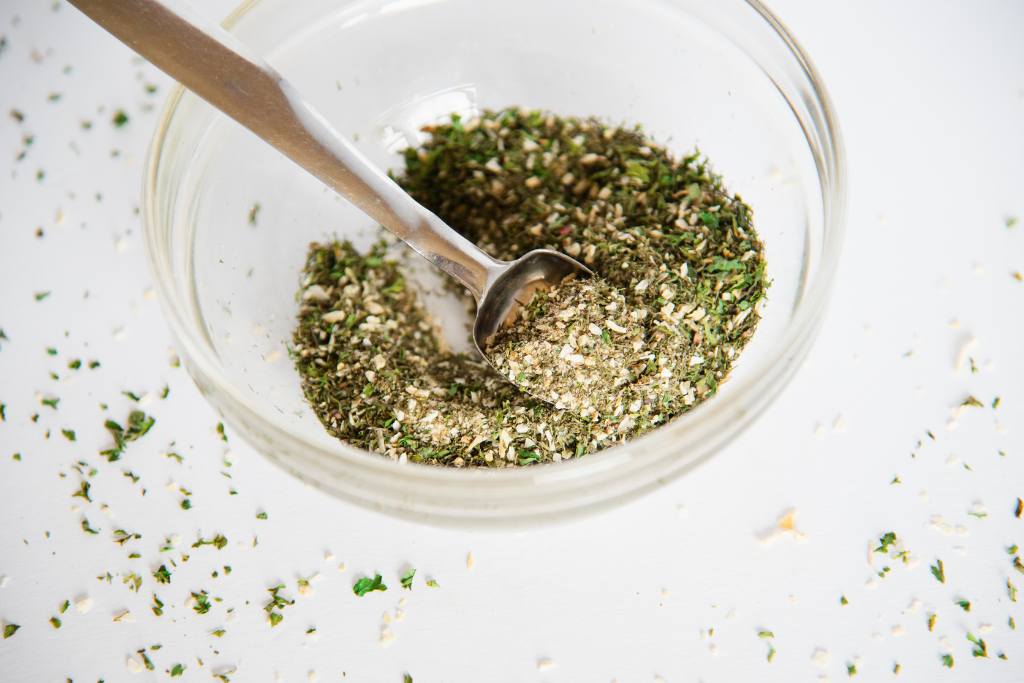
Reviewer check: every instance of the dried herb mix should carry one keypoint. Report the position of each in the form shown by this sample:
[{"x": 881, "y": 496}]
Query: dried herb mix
[
  {"x": 680, "y": 273},
  {"x": 567, "y": 347}
]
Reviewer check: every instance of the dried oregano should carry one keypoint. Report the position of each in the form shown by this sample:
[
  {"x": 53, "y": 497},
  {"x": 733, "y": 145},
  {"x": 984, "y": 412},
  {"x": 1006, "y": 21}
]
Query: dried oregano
[{"x": 680, "y": 273}]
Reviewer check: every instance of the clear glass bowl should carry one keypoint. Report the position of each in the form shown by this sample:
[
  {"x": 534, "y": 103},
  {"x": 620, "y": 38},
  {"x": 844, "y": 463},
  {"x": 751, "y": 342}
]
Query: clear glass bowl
[{"x": 724, "y": 76}]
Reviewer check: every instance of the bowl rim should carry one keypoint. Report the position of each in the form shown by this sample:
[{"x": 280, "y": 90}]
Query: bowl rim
[{"x": 705, "y": 420}]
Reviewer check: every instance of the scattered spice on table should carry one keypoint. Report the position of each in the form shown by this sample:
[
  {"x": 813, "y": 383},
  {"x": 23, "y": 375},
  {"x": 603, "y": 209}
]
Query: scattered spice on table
[
  {"x": 367, "y": 585},
  {"x": 680, "y": 269}
]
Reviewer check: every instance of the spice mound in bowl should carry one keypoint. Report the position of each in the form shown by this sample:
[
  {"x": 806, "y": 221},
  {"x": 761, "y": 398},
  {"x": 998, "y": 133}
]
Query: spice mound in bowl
[{"x": 679, "y": 268}]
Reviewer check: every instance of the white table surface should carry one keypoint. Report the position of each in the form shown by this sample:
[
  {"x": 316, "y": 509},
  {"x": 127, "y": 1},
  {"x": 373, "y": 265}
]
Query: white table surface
[{"x": 674, "y": 587}]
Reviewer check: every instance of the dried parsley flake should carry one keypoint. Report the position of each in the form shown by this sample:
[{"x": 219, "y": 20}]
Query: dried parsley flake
[{"x": 366, "y": 585}]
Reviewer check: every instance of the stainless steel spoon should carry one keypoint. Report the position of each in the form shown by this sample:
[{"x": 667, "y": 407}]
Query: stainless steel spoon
[{"x": 214, "y": 65}]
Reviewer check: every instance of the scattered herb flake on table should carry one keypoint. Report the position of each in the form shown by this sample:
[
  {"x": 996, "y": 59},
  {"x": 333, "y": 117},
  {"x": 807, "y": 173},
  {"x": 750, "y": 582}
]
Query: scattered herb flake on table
[
  {"x": 218, "y": 542},
  {"x": 276, "y": 604},
  {"x": 83, "y": 491},
  {"x": 980, "y": 649},
  {"x": 138, "y": 425},
  {"x": 366, "y": 585},
  {"x": 201, "y": 604},
  {"x": 885, "y": 542}
]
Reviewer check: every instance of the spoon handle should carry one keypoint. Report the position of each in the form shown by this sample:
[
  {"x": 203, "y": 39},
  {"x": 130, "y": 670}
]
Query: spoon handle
[{"x": 215, "y": 65}]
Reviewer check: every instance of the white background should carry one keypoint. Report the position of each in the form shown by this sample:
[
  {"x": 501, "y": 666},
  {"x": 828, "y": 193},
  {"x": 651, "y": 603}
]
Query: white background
[{"x": 931, "y": 100}]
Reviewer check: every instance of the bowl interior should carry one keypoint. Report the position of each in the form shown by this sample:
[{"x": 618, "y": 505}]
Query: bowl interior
[{"x": 380, "y": 70}]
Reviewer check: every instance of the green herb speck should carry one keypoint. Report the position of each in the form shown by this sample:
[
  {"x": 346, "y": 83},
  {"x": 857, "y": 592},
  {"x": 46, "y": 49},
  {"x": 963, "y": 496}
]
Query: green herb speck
[
  {"x": 980, "y": 649},
  {"x": 276, "y": 603},
  {"x": 138, "y": 425},
  {"x": 885, "y": 542},
  {"x": 218, "y": 542},
  {"x": 366, "y": 585},
  {"x": 202, "y": 602}
]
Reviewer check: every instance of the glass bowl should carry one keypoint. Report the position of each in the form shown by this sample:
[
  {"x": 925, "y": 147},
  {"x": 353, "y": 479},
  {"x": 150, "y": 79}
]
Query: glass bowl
[{"x": 228, "y": 220}]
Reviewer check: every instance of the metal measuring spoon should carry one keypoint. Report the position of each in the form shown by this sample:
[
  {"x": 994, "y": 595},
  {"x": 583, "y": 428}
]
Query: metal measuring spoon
[{"x": 216, "y": 66}]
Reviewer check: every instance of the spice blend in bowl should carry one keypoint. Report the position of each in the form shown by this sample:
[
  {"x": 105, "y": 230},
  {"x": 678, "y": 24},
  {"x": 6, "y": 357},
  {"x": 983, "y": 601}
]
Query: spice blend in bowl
[{"x": 680, "y": 273}]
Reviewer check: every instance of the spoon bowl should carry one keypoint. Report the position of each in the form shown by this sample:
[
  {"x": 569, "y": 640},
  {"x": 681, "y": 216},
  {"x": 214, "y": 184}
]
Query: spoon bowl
[{"x": 514, "y": 285}]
